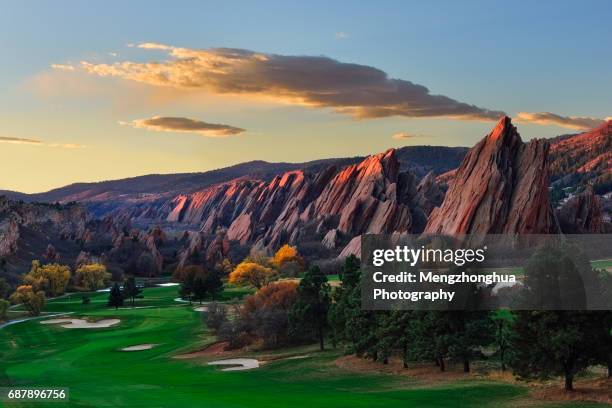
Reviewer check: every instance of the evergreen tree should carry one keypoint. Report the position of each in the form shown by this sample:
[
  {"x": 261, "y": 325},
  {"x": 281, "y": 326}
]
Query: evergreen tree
[
  {"x": 549, "y": 343},
  {"x": 469, "y": 331},
  {"x": 341, "y": 300},
  {"x": 115, "y": 298},
  {"x": 309, "y": 313}
]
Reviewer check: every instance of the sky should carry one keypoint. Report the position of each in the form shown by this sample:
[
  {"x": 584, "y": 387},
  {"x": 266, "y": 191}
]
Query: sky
[{"x": 94, "y": 91}]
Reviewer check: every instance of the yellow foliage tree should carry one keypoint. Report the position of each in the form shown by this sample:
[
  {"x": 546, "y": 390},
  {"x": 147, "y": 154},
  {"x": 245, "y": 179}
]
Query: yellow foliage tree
[
  {"x": 251, "y": 273},
  {"x": 50, "y": 278},
  {"x": 288, "y": 261},
  {"x": 92, "y": 276},
  {"x": 33, "y": 301}
]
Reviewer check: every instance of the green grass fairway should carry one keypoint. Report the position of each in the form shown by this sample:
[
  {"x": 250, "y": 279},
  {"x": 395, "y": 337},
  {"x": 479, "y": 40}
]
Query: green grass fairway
[{"x": 89, "y": 363}]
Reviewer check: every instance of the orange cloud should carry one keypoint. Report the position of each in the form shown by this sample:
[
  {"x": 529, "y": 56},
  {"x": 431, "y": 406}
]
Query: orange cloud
[
  {"x": 178, "y": 124},
  {"x": 358, "y": 90},
  {"x": 568, "y": 122}
]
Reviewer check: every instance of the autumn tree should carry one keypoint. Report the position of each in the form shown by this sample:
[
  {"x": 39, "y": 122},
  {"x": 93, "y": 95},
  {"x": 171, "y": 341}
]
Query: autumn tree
[
  {"x": 288, "y": 261},
  {"x": 50, "y": 278},
  {"x": 251, "y": 273},
  {"x": 33, "y": 301},
  {"x": 266, "y": 312},
  {"x": 309, "y": 313},
  {"x": 115, "y": 297},
  {"x": 92, "y": 276}
]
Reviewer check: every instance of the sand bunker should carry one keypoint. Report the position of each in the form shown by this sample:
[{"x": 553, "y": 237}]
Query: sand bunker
[
  {"x": 238, "y": 364},
  {"x": 139, "y": 347},
  {"x": 82, "y": 323},
  {"x": 201, "y": 309},
  {"x": 168, "y": 284}
]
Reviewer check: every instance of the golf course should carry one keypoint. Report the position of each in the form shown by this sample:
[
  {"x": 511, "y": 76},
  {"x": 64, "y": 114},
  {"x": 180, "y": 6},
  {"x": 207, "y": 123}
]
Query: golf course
[{"x": 91, "y": 363}]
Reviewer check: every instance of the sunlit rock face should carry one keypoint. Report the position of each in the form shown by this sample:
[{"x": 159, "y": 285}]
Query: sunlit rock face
[
  {"x": 330, "y": 206},
  {"x": 582, "y": 214},
  {"x": 501, "y": 187}
]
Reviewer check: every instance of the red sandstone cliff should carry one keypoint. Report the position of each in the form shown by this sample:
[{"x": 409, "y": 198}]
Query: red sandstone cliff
[
  {"x": 500, "y": 187},
  {"x": 328, "y": 207}
]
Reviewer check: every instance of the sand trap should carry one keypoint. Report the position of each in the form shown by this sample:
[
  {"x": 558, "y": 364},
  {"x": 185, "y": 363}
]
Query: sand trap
[
  {"x": 240, "y": 363},
  {"x": 168, "y": 284},
  {"x": 82, "y": 323},
  {"x": 139, "y": 347},
  {"x": 201, "y": 309}
]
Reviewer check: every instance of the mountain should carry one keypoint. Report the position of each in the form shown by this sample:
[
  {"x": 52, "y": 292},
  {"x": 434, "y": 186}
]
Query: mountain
[
  {"x": 501, "y": 187},
  {"x": 104, "y": 197},
  {"x": 321, "y": 210},
  {"x": 581, "y": 159}
]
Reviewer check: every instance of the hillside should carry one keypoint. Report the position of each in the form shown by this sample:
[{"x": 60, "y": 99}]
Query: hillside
[{"x": 106, "y": 196}]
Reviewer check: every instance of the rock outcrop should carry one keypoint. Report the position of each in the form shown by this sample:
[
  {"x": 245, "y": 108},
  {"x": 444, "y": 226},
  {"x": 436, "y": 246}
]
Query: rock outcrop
[
  {"x": 326, "y": 208},
  {"x": 582, "y": 214},
  {"x": 501, "y": 187}
]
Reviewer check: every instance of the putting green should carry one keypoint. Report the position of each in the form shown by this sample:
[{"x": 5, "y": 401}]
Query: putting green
[{"x": 98, "y": 374}]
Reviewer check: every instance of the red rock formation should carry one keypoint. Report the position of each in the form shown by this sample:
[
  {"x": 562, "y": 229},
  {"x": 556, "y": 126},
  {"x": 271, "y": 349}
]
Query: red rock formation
[
  {"x": 369, "y": 197},
  {"x": 429, "y": 193},
  {"x": 589, "y": 152},
  {"x": 582, "y": 214},
  {"x": 501, "y": 187}
]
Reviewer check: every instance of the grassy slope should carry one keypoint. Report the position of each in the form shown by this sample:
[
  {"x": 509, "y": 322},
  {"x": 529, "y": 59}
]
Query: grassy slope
[{"x": 88, "y": 361}]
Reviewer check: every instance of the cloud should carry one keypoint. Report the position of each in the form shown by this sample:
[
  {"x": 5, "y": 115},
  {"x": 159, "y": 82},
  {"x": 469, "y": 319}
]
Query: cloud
[
  {"x": 569, "y": 122},
  {"x": 63, "y": 67},
  {"x": 178, "y": 124},
  {"x": 315, "y": 81},
  {"x": 405, "y": 135},
  {"x": 34, "y": 142},
  {"x": 340, "y": 35},
  {"x": 18, "y": 140},
  {"x": 154, "y": 46}
]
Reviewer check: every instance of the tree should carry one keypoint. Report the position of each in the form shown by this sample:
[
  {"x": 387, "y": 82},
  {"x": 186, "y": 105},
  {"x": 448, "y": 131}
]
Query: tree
[
  {"x": 33, "y": 301},
  {"x": 549, "y": 343},
  {"x": 131, "y": 290},
  {"x": 288, "y": 261},
  {"x": 343, "y": 302},
  {"x": 198, "y": 283},
  {"x": 50, "y": 278},
  {"x": 266, "y": 312},
  {"x": 215, "y": 316},
  {"x": 4, "y": 306},
  {"x": 309, "y": 313},
  {"x": 115, "y": 298},
  {"x": 4, "y": 288},
  {"x": 92, "y": 276},
  {"x": 469, "y": 331},
  {"x": 503, "y": 333},
  {"x": 251, "y": 273}
]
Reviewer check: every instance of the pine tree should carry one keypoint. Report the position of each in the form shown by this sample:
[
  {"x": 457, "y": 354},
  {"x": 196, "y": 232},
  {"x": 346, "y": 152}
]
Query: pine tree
[
  {"x": 309, "y": 313},
  {"x": 115, "y": 298}
]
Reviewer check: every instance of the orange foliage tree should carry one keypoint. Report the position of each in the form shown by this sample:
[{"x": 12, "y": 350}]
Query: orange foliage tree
[{"x": 286, "y": 254}]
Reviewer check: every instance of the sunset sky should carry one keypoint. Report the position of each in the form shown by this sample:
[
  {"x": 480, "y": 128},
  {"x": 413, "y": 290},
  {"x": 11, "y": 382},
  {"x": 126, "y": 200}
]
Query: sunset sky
[{"x": 102, "y": 90}]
